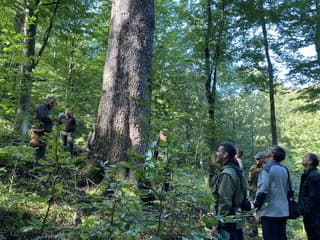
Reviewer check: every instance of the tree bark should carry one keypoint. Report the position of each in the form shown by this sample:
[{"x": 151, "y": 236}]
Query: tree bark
[
  {"x": 70, "y": 80},
  {"x": 31, "y": 60},
  {"x": 29, "y": 30},
  {"x": 317, "y": 37},
  {"x": 212, "y": 65},
  {"x": 271, "y": 79},
  {"x": 124, "y": 109}
]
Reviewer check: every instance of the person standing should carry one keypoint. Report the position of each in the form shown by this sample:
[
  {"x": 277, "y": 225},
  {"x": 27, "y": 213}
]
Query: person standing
[
  {"x": 271, "y": 199},
  {"x": 70, "y": 124},
  {"x": 254, "y": 173},
  {"x": 251, "y": 228},
  {"x": 309, "y": 196},
  {"x": 227, "y": 191},
  {"x": 45, "y": 125}
]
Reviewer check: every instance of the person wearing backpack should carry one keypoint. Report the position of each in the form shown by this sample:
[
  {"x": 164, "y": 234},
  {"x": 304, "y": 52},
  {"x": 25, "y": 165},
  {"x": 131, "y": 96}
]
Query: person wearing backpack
[
  {"x": 271, "y": 201},
  {"x": 227, "y": 190},
  {"x": 309, "y": 196}
]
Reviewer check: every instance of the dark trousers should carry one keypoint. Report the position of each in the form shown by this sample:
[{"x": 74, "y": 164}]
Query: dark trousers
[
  {"x": 312, "y": 227},
  {"x": 235, "y": 234},
  {"x": 40, "y": 152},
  {"x": 67, "y": 143},
  {"x": 274, "y": 228}
]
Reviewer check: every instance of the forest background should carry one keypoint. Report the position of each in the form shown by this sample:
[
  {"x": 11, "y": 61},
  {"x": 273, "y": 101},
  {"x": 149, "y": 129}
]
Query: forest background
[{"x": 240, "y": 71}]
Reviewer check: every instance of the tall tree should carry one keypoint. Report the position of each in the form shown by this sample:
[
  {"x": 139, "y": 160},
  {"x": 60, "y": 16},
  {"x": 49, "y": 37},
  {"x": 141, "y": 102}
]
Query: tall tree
[
  {"x": 212, "y": 63},
  {"x": 260, "y": 69},
  {"x": 270, "y": 74},
  {"x": 124, "y": 110},
  {"x": 29, "y": 28}
]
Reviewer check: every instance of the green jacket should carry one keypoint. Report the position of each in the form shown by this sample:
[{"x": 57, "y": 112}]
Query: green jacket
[{"x": 225, "y": 186}]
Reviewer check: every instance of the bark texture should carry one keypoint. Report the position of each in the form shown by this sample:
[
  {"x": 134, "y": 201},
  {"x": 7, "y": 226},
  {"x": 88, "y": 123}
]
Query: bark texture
[{"x": 124, "y": 110}]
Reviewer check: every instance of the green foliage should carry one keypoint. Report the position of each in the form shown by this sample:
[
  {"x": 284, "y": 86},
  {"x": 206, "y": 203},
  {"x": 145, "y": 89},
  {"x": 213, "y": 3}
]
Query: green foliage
[{"x": 71, "y": 68}]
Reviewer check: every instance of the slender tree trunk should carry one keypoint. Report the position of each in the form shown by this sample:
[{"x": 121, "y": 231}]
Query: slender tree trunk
[
  {"x": 209, "y": 94},
  {"x": 124, "y": 109},
  {"x": 317, "y": 40},
  {"x": 212, "y": 66},
  {"x": 70, "y": 88},
  {"x": 29, "y": 30},
  {"x": 31, "y": 60},
  {"x": 271, "y": 80}
]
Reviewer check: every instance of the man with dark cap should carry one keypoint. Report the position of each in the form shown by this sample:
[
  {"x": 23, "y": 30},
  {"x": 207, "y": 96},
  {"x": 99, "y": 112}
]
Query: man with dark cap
[
  {"x": 254, "y": 172},
  {"x": 251, "y": 228},
  {"x": 45, "y": 125}
]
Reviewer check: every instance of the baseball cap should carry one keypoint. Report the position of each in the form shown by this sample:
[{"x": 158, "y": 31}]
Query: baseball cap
[{"x": 259, "y": 155}]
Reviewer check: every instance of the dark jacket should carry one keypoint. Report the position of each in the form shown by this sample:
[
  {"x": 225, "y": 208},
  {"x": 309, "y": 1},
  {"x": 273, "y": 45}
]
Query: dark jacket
[
  {"x": 70, "y": 124},
  {"x": 42, "y": 114},
  {"x": 309, "y": 194}
]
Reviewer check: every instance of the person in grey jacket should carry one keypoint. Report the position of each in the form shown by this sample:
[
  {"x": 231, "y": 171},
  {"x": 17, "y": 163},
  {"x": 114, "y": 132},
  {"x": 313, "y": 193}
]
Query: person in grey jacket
[{"x": 271, "y": 199}]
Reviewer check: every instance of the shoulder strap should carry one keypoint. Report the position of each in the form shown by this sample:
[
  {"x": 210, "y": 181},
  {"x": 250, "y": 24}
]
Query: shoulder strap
[
  {"x": 289, "y": 182},
  {"x": 227, "y": 171},
  {"x": 240, "y": 178},
  {"x": 290, "y": 193}
]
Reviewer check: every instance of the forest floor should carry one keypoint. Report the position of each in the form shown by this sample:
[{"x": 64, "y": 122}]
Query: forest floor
[{"x": 64, "y": 198}]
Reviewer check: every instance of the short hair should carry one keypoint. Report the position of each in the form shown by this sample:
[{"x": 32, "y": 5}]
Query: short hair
[
  {"x": 239, "y": 151},
  {"x": 279, "y": 154},
  {"x": 314, "y": 158},
  {"x": 229, "y": 148},
  {"x": 51, "y": 100}
]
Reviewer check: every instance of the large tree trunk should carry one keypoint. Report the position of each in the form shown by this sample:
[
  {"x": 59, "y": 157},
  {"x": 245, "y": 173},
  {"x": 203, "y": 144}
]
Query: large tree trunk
[{"x": 124, "y": 110}]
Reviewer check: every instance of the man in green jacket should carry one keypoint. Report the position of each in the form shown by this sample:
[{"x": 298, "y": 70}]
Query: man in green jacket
[{"x": 227, "y": 191}]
